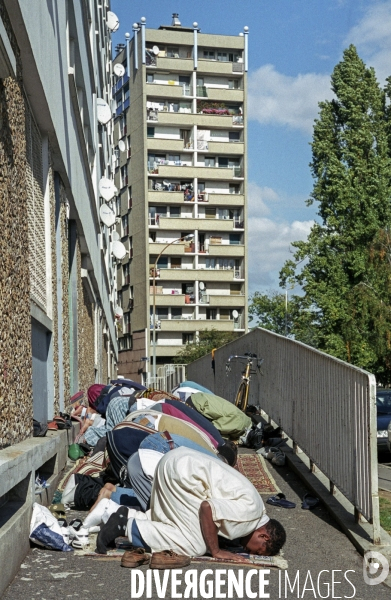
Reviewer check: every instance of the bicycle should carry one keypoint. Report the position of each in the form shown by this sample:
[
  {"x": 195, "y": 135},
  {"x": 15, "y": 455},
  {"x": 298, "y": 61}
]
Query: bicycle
[{"x": 241, "y": 398}]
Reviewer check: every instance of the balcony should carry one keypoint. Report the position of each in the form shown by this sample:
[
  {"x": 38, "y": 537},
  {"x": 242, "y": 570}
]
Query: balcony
[
  {"x": 227, "y": 301},
  {"x": 232, "y": 148},
  {"x": 177, "y": 146},
  {"x": 201, "y": 120},
  {"x": 196, "y": 325},
  {"x": 175, "y": 64},
  {"x": 158, "y": 90},
  {"x": 222, "y": 68},
  {"x": 189, "y": 172},
  {"x": 224, "y": 95},
  {"x": 165, "y": 197},
  {"x": 195, "y": 275},
  {"x": 226, "y": 250},
  {"x": 183, "y": 223}
]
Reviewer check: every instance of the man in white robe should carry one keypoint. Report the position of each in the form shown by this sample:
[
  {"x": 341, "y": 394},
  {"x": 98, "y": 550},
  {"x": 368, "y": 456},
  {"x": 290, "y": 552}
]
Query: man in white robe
[{"x": 195, "y": 498}]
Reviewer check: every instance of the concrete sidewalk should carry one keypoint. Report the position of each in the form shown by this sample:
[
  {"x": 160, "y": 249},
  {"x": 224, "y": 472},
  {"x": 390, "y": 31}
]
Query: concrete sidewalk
[{"x": 315, "y": 544}]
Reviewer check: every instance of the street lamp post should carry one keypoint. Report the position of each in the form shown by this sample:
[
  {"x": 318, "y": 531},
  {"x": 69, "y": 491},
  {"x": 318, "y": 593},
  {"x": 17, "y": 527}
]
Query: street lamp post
[{"x": 181, "y": 239}]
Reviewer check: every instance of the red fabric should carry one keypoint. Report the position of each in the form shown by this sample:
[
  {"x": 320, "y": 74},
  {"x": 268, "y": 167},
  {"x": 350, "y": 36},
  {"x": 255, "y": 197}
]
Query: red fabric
[
  {"x": 167, "y": 409},
  {"x": 93, "y": 392}
]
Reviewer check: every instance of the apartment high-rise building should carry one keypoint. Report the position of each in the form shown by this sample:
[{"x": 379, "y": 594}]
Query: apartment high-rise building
[{"x": 180, "y": 139}]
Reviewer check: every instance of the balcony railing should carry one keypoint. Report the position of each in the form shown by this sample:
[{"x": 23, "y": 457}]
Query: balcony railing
[
  {"x": 238, "y": 223},
  {"x": 237, "y": 120},
  {"x": 154, "y": 221},
  {"x": 238, "y": 171},
  {"x": 152, "y": 114}
]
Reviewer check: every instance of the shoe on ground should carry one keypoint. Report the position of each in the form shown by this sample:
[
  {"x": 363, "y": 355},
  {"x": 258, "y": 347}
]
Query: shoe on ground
[
  {"x": 168, "y": 559},
  {"x": 78, "y": 534},
  {"x": 135, "y": 558},
  {"x": 278, "y": 459}
]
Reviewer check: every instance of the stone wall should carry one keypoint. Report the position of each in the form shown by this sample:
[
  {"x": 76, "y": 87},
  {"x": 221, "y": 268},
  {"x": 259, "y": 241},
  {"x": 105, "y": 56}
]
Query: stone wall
[
  {"x": 86, "y": 328},
  {"x": 65, "y": 298},
  {"x": 56, "y": 366},
  {"x": 16, "y": 405}
]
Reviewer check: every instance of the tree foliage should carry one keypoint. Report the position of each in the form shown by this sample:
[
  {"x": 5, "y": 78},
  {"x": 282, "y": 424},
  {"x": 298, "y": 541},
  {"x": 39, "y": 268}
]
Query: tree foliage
[
  {"x": 343, "y": 268},
  {"x": 208, "y": 339}
]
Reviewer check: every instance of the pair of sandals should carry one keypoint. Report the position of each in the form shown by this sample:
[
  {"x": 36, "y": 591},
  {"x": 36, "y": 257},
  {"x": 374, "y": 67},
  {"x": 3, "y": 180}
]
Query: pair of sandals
[{"x": 309, "y": 502}]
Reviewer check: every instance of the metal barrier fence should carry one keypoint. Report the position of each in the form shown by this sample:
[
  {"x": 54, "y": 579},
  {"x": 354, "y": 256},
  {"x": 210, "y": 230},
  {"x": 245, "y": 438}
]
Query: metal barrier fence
[
  {"x": 326, "y": 406},
  {"x": 168, "y": 376}
]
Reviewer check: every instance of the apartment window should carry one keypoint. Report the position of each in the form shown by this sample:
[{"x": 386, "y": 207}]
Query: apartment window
[
  {"x": 234, "y": 136},
  {"x": 234, "y": 188},
  {"x": 210, "y": 263},
  {"x": 162, "y": 263},
  {"x": 126, "y": 273},
  {"x": 210, "y": 161},
  {"x": 130, "y": 246},
  {"x": 124, "y": 176},
  {"x": 175, "y": 158},
  {"x": 235, "y": 289},
  {"x": 172, "y": 52},
  {"x": 187, "y": 338},
  {"x": 129, "y": 198},
  {"x": 184, "y": 80},
  {"x": 211, "y": 313},
  {"x": 126, "y": 92},
  {"x": 210, "y": 212},
  {"x": 176, "y": 262},
  {"x": 235, "y": 238},
  {"x": 150, "y": 77},
  {"x": 222, "y": 56},
  {"x": 176, "y": 313},
  {"x": 125, "y": 225},
  {"x": 175, "y": 211},
  {"x": 161, "y": 313},
  {"x": 131, "y": 297},
  {"x": 126, "y": 328},
  {"x": 150, "y": 132},
  {"x": 233, "y": 57},
  {"x": 119, "y": 299},
  {"x": 125, "y": 343},
  {"x": 233, "y": 84},
  {"x": 223, "y": 162},
  {"x": 209, "y": 54}
]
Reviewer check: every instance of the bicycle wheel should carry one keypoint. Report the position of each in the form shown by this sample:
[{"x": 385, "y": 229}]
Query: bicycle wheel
[{"x": 242, "y": 396}]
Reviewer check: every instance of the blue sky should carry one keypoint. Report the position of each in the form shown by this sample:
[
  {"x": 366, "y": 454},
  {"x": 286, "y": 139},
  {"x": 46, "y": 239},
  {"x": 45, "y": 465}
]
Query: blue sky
[{"x": 293, "y": 48}]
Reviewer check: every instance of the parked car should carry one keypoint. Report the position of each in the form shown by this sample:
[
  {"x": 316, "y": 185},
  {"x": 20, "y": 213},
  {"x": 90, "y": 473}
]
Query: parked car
[{"x": 383, "y": 405}]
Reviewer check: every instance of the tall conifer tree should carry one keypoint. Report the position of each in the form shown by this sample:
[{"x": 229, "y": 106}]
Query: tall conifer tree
[{"x": 344, "y": 266}]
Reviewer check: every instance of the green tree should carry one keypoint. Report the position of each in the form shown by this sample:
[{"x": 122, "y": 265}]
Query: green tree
[
  {"x": 208, "y": 340},
  {"x": 343, "y": 267},
  {"x": 270, "y": 312}
]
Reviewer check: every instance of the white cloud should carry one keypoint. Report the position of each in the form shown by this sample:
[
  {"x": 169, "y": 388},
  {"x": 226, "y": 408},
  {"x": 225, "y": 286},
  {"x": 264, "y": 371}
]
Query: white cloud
[
  {"x": 269, "y": 246},
  {"x": 278, "y": 99},
  {"x": 372, "y": 38},
  {"x": 258, "y": 199}
]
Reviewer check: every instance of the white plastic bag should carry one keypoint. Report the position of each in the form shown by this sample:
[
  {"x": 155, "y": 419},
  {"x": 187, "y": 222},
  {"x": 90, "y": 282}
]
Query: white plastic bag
[{"x": 45, "y": 529}]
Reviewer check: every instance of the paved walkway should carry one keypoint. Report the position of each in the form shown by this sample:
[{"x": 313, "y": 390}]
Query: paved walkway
[{"x": 314, "y": 544}]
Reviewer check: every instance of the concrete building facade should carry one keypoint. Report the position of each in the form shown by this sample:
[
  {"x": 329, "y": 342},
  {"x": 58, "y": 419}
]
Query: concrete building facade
[
  {"x": 57, "y": 332},
  {"x": 180, "y": 137}
]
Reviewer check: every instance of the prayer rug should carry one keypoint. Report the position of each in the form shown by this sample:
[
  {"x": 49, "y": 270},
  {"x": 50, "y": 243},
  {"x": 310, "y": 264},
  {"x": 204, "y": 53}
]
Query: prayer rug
[{"x": 253, "y": 466}]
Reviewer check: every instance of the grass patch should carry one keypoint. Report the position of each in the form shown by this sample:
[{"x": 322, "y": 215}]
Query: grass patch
[{"x": 385, "y": 513}]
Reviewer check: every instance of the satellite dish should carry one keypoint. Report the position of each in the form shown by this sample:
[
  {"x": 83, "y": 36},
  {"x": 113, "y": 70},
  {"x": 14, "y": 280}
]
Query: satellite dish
[
  {"x": 115, "y": 236},
  {"x": 103, "y": 111},
  {"x": 106, "y": 188},
  {"x": 202, "y": 286},
  {"x": 119, "y": 70},
  {"x": 112, "y": 21},
  {"x": 118, "y": 312},
  {"x": 119, "y": 250},
  {"x": 155, "y": 50},
  {"x": 235, "y": 314},
  {"x": 107, "y": 215},
  {"x": 121, "y": 145}
]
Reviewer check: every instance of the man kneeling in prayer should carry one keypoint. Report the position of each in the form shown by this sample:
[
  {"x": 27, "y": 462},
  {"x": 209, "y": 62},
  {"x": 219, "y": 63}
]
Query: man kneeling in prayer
[{"x": 194, "y": 499}]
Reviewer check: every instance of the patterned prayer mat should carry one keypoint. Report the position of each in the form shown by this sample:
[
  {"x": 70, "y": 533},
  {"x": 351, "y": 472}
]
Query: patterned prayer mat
[{"x": 253, "y": 466}]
